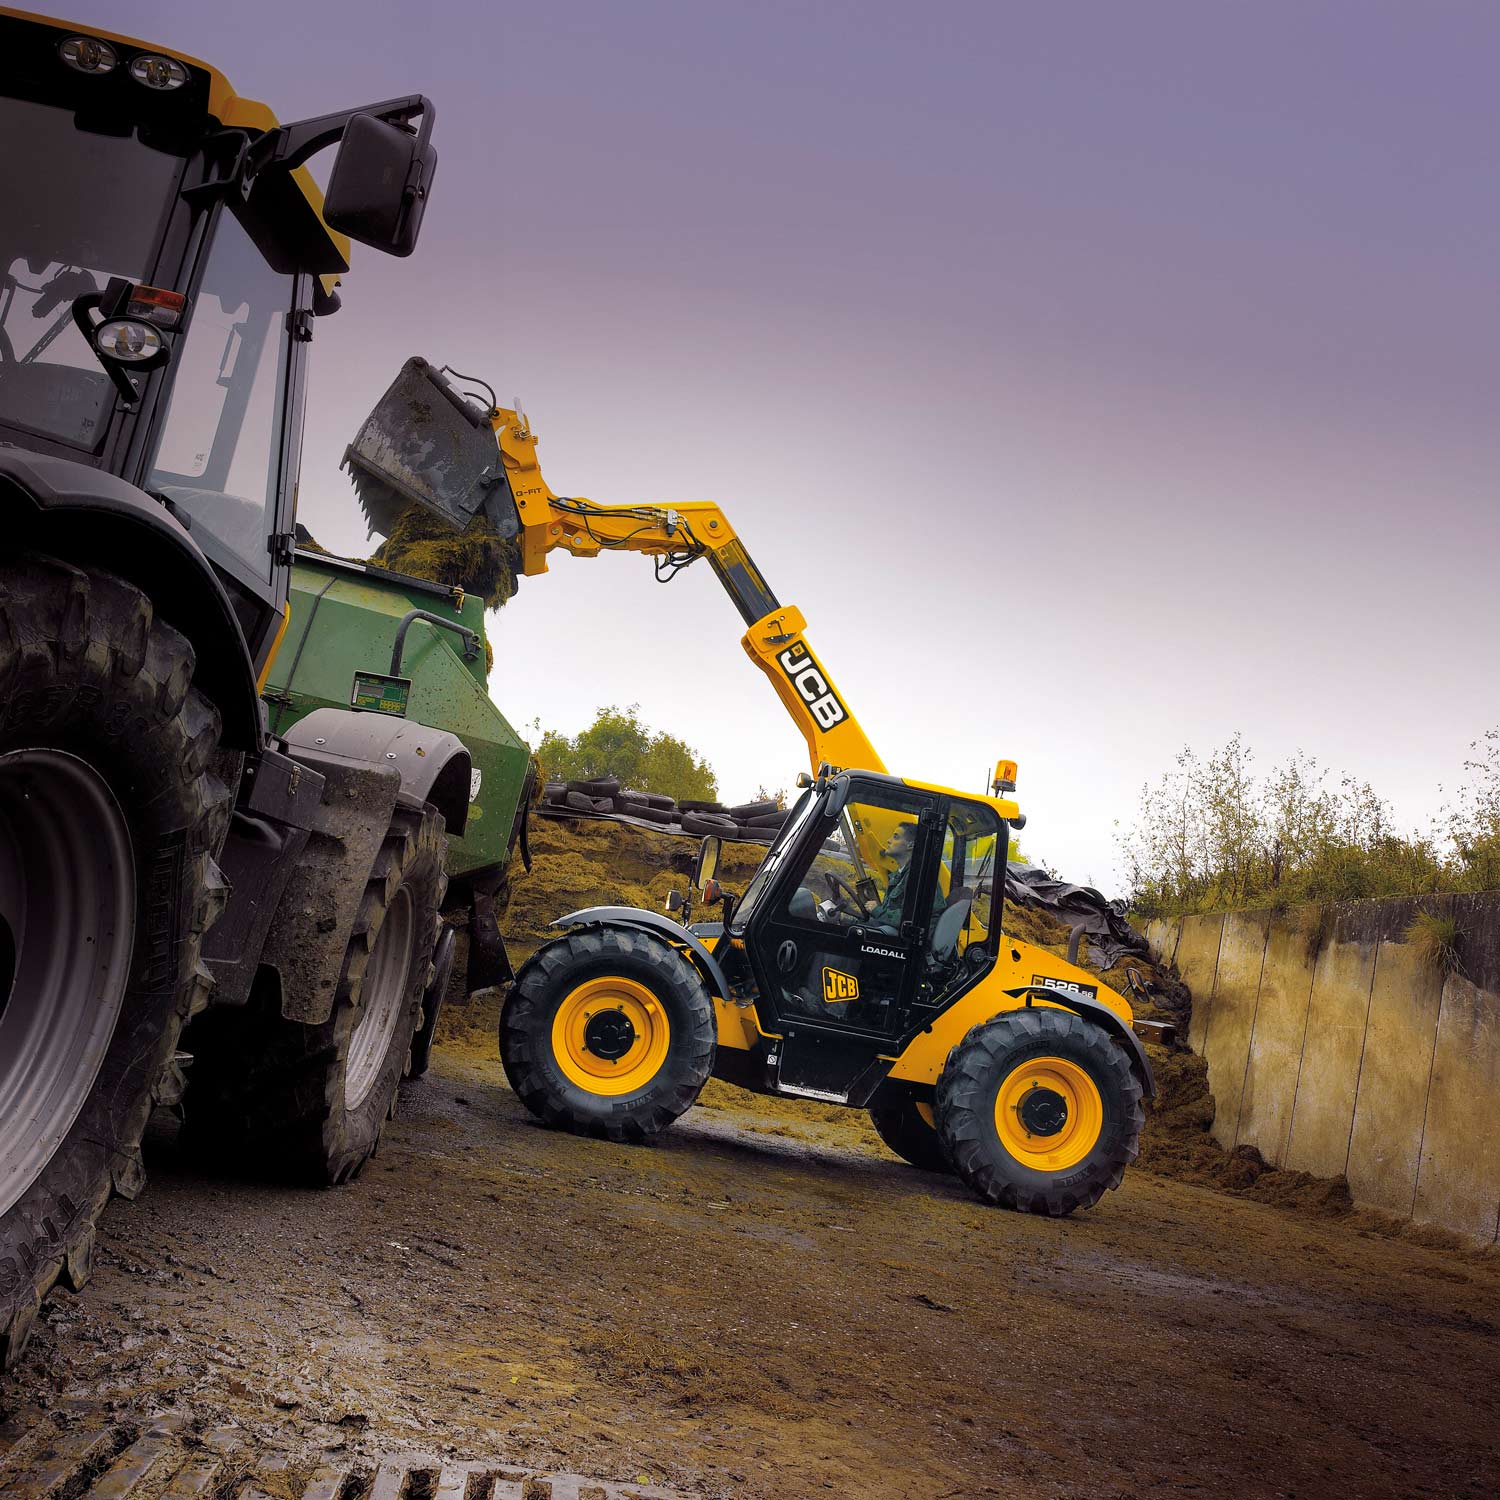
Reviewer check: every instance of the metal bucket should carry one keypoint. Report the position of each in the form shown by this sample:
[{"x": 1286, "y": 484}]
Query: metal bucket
[{"x": 427, "y": 442}]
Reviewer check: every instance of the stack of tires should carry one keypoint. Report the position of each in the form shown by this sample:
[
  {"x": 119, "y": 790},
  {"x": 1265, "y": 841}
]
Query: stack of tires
[{"x": 604, "y": 796}]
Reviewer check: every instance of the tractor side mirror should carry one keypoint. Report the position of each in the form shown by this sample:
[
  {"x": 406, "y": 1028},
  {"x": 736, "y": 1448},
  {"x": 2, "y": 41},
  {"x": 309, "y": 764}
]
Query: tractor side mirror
[
  {"x": 708, "y": 860},
  {"x": 377, "y": 191},
  {"x": 675, "y": 901}
]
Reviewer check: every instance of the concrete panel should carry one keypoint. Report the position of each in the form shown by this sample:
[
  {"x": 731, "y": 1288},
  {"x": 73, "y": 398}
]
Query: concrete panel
[
  {"x": 1226, "y": 1042},
  {"x": 1286, "y": 982},
  {"x": 1323, "y": 1112},
  {"x": 1386, "y": 1142},
  {"x": 1197, "y": 963},
  {"x": 1158, "y": 935},
  {"x": 1458, "y": 1183}
]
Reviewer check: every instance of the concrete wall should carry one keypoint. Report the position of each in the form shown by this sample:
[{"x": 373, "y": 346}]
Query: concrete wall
[{"x": 1333, "y": 1049}]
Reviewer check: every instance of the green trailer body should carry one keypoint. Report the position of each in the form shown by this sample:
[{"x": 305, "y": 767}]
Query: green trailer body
[{"x": 344, "y": 621}]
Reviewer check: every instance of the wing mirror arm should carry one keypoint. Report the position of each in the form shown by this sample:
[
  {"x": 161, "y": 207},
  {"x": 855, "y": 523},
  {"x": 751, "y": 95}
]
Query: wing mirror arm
[{"x": 291, "y": 145}]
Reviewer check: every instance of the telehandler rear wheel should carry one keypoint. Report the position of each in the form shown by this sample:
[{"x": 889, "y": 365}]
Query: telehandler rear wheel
[
  {"x": 1039, "y": 1110},
  {"x": 608, "y": 1032},
  {"x": 110, "y": 818},
  {"x": 309, "y": 1103},
  {"x": 905, "y": 1124}
]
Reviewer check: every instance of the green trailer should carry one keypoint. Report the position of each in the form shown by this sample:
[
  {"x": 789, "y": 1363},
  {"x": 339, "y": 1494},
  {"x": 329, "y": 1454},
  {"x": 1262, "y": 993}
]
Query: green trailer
[{"x": 362, "y": 637}]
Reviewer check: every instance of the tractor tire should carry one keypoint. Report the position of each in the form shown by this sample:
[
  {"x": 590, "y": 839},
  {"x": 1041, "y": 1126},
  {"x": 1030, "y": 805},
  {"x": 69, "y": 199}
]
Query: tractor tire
[
  {"x": 897, "y": 1116},
  {"x": 432, "y": 1002},
  {"x": 276, "y": 1098},
  {"x": 110, "y": 818},
  {"x": 1039, "y": 1110},
  {"x": 608, "y": 1032}
]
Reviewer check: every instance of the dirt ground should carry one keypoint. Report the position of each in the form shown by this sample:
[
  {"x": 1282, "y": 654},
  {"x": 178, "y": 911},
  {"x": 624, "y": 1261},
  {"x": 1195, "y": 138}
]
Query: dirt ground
[{"x": 768, "y": 1304}]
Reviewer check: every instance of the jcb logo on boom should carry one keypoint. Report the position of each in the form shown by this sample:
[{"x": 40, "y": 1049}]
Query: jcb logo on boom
[
  {"x": 807, "y": 677},
  {"x": 837, "y": 986}
]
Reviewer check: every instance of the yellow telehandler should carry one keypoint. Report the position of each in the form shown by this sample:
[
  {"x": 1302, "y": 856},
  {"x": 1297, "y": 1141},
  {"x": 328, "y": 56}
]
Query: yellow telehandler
[{"x": 864, "y": 964}]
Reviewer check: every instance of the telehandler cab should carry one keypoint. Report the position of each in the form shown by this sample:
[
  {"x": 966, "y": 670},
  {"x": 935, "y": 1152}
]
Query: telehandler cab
[
  {"x": 164, "y": 260},
  {"x": 865, "y": 962}
]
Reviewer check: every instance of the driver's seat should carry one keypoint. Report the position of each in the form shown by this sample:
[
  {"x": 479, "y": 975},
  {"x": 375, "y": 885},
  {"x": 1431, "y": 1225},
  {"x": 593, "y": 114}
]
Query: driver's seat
[{"x": 943, "y": 948}]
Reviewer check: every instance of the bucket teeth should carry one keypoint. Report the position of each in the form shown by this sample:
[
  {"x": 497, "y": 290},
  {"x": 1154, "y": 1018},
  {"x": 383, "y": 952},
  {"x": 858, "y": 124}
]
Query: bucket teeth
[{"x": 379, "y": 502}]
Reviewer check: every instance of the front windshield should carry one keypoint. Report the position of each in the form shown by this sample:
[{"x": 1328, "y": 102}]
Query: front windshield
[
  {"x": 802, "y": 810},
  {"x": 80, "y": 208}
]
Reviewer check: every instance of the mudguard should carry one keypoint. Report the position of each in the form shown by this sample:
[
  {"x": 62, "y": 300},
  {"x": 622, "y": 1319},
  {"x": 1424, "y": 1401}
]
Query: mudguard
[
  {"x": 81, "y": 514},
  {"x": 433, "y": 763},
  {"x": 650, "y": 921},
  {"x": 1101, "y": 1015}
]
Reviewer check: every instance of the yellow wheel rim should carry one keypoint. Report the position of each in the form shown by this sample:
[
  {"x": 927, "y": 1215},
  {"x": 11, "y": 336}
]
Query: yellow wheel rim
[
  {"x": 610, "y": 1035},
  {"x": 925, "y": 1110},
  {"x": 1049, "y": 1114}
]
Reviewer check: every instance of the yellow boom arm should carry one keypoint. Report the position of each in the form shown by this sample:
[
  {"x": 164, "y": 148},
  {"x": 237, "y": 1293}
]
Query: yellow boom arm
[{"x": 675, "y": 536}]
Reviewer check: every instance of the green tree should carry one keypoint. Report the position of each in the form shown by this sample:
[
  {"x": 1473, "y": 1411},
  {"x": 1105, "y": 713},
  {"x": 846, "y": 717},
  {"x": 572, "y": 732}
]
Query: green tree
[{"x": 617, "y": 743}]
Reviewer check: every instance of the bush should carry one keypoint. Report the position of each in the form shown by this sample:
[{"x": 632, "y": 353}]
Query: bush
[{"x": 1211, "y": 836}]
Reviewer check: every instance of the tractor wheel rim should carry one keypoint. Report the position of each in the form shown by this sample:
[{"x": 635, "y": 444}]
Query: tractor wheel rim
[
  {"x": 1049, "y": 1113},
  {"x": 382, "y": 998},
  {"x": 610, "y": 1035},
  {"x": 67, "y": 933}
]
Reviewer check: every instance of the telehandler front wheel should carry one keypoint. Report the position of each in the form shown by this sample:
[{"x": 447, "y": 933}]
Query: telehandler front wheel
[
  {"x": 608, "y": 1032},
  {"x": 905, "y": 1123},
  {"x": 1039, "y": 1110}
]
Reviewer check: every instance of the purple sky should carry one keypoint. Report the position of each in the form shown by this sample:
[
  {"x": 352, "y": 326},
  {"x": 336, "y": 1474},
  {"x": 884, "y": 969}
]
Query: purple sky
[{"x": 1097, "y": 377}]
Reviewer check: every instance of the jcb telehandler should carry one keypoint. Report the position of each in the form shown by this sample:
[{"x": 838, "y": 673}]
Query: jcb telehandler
[
  {"x": 164, "y": 260},
  {"x": 864, "y": 964}
]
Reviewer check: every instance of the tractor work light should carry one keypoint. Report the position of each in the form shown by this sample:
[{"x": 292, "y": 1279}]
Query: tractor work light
[
  {"x": 158, "y": 72},
  {"x": 88, "y": 54},
  {"x": 129, "y": 341}
]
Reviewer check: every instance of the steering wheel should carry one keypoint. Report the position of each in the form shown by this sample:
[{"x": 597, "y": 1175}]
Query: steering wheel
[{"x": 843, "y": 896}]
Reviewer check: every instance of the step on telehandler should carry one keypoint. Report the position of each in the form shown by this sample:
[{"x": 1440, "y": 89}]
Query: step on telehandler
[
  {"x": 165, "y": 858},
  {"x": 864, "y": 964}
]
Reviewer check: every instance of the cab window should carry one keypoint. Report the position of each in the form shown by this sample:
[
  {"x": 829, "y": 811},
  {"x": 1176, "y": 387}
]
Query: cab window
[
  {"x": 219, "y": 453},
  {"x": 970, "y": 888}
]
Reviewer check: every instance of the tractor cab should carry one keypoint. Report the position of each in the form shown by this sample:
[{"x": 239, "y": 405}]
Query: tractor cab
[
  {"x": 163, "y": 257},
  {"x": 871, "y": 912}
]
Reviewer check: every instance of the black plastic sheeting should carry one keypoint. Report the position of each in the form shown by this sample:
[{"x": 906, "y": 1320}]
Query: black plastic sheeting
[{"x": 1110, "y": 936}]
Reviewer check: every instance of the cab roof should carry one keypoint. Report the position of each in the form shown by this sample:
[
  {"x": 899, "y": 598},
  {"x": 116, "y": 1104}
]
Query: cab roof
[{"x": 225, "y": 106}]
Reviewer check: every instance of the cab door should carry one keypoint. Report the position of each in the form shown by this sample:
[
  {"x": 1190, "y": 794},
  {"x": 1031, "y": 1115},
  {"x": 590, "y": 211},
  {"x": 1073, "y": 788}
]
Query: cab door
[{"x": 838, "y": 944}]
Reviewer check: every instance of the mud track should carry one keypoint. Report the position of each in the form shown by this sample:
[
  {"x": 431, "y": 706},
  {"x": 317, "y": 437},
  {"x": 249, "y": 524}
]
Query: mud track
[{"x": 774, "y": 1306}]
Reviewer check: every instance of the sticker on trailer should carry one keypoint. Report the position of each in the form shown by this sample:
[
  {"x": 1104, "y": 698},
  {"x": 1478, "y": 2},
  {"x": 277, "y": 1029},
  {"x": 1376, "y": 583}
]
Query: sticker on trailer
[{"x": 474, "y": 779}]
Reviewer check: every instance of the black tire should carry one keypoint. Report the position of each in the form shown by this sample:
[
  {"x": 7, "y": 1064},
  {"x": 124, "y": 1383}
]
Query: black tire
[
  {"x": 658, "y": 800},
  {"x": 771, "y": 820},
  {"x": 432, "y": 1002},
  {"x": 706, "y": 823},
  {"x": 687, "y": 805},
  {"x": 577, "y": 801},
  {"x": 96, "y": 692},
  {"x": 605, "y": 961},
  {"x": 596, "y": 786},
  {"x": 901, "y": 1125},
  {"x": 650, "y": 814},
  {"x": 272, "y": 1097},
  {"x": 969, "y": 1086},
  {"x": 747, "y": 812}
]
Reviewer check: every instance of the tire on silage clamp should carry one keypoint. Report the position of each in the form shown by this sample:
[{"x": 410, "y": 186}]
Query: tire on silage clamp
[{"x": 110, "y": 819}]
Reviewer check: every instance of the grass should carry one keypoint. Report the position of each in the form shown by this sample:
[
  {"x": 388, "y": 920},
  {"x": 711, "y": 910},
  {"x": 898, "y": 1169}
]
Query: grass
[{"x": 1435, "y": 939}]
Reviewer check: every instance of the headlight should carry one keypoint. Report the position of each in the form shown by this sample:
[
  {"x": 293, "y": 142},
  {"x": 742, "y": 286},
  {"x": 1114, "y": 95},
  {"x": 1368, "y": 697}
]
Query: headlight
[
  {"x": 158, "y": 72},
  {"x": 128, "y": 341},
  {"x": 88, "y": 54}
]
